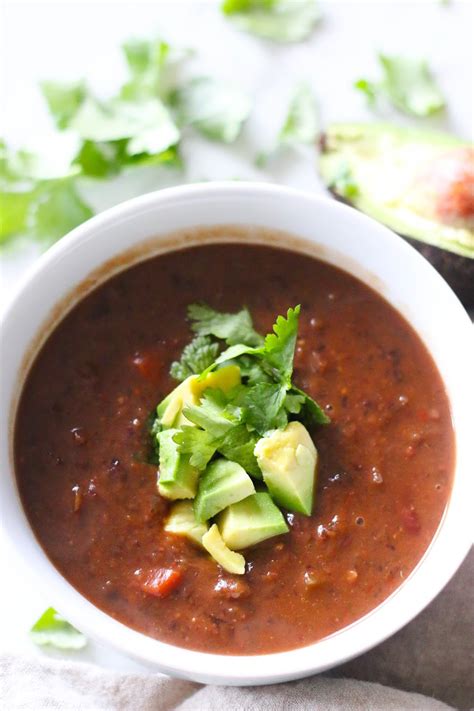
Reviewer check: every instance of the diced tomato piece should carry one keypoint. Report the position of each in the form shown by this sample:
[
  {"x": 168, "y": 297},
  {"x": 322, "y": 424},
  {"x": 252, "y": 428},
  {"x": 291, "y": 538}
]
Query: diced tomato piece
[
  {"x": 162, "y": 581},
  {"x": 150, "y": 365}
]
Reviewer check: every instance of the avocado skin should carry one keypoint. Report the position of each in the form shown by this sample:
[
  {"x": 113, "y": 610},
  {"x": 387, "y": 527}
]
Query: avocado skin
[{"x": 456, "y": 270}]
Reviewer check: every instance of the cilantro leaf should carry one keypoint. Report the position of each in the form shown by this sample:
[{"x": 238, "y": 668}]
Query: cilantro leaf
[
  {"x": 280, "y": 345},
  {"x": 235, "y": 329},
  {"x": 101, "y": 159},
  {"x": 212, "y": 413},
  {"x": 407, "y": 83},
  {"x": 302, "y": 121},
  {"x": 253, "y": 370},
  {"x": 58, "y": 209},
  {"x": 196, "y": 357},
  {"x": 238, "y": 445},
  {"x": 52, "y": 629},
  {"x": 153, "y": 65},
  {"x": 310, "y": 411},
  {"x": 146, "y": 123},
  {"x": 14, "y": 209},
  {"x": 369, "y": 88},
  {"x": 263, "y": 405},
  {"x": 277, "y": 20},
  {"x": 44, "y": 209},
  {"x": 199, "y": 444},
  {"x": 63, "y": 100},
  {"x": 214, "y": 108}
]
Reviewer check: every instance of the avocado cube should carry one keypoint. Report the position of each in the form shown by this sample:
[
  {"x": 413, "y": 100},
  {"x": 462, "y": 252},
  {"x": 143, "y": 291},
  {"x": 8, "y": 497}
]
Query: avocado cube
[
  {"x": 177, "y": 478},
  {"x": 288, "y": 460},
  {"x": 223, "y": 483},
  {"x": 251, "y": 521},
  {"x": 182, "y": 522},
  {"x": 229, "y": 560}
]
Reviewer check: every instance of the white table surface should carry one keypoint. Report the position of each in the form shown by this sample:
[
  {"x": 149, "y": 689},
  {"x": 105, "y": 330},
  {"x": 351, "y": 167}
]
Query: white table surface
[{"x": 65, "y": 40}]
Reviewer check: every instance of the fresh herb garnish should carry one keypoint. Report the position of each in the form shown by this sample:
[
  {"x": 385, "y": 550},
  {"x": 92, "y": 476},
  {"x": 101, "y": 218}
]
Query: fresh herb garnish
[
  {"x": 277, "y": 20},
  {"x": 52, "y": 629},
  {"x": 34, "y": 201},
  {"x": 214, "y": 108},
  {"x": 265, "y": 400},
  {"x": 196, "y": 357},
  {"x": 407, "y": 83},
  {"x": 232, "y": 328},
  {"x": 239, "y": 419},
  {"x": 301, "y": 125},
  {"x": 140, "y": 126}
]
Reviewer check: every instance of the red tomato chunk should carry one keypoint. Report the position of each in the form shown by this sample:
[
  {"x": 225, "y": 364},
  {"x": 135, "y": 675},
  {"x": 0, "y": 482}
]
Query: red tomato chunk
[{"x": 161, "y": 582}]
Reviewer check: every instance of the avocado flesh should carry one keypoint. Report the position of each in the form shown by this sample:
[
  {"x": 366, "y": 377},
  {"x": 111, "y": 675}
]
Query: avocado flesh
[
  {"x": 189, "y": 392},
  {"x": 178, "y": 479},
  {"x": 288, "y": 460},
  {"x": 251, "y": 521},
  {"x": 391, "y": 169},
  {"x": 229, "y": 560},
  {"x": 182, "y": 522},
  {"x": 222, "y": 483}
]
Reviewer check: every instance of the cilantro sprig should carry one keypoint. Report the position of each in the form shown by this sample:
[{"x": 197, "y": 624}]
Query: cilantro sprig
[
  {"x": 53, "y": 630},
  {"x": 230, "y": 423},
  {"x": 407, "y": 83}
]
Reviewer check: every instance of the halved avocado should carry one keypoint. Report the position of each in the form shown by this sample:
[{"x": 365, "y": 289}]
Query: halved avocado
[{"x": 417, "y": 182}]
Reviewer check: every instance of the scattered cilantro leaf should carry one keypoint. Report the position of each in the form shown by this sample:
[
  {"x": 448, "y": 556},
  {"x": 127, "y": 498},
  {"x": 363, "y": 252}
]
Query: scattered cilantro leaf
[
  {"x": 101, "y": 159},
  {"x": 277, "y": 20},
  {"x": 280, "y": 345},
  {"x": 196, "y": 357},
  {"x": 14, "y": 209},
  {"x": 343, "y": 182},
  {"x": 235, "y": 329},
  {"x": 214, "y": 108},
  {"x": 301, "y": 125},
  {"x": 44, "y": 209},
  {"x": 58, "y": 209},
  {"x": 153, "y": 65},
  {"x": 407, "y": 83},
  {"x": 52, "y": 629},
  {"x": 63, "y": 100},
  {"x": 198, "y": 443},
  {"x": 369, "y": 88},
  {"x": 146, "y": 123}
]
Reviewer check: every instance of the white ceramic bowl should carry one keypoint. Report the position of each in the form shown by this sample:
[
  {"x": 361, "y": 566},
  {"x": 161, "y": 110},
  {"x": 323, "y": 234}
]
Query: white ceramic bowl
[{"x": 338, "y": 235}]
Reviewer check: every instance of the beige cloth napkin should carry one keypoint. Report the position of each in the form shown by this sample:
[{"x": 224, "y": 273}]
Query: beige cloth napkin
[{"x": 434, "y": 655}]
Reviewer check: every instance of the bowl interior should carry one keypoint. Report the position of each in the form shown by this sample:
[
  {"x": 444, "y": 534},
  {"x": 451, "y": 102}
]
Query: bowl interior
[{"x": 334, "y": 233}]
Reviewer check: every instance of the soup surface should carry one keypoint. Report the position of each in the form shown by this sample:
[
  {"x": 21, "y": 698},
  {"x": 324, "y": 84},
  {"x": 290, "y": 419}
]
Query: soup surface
[{"x": 82, "y": 451}]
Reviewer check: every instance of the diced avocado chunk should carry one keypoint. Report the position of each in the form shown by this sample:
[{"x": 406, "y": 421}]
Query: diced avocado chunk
[
  {"x": 250, "y": 521},
  {"x": 170, "y": 410},
  {"x": 229, "y": 560},
  {"x": 182, "y": 521},
  {"x": 288, "y": 460},
  {"x": 222, "y": 483},
  {"x": 177, "y": 479}
]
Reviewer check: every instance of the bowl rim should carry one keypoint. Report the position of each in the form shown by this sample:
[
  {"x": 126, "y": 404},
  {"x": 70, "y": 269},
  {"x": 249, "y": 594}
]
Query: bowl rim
[{"x": 259, "y": 668}]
